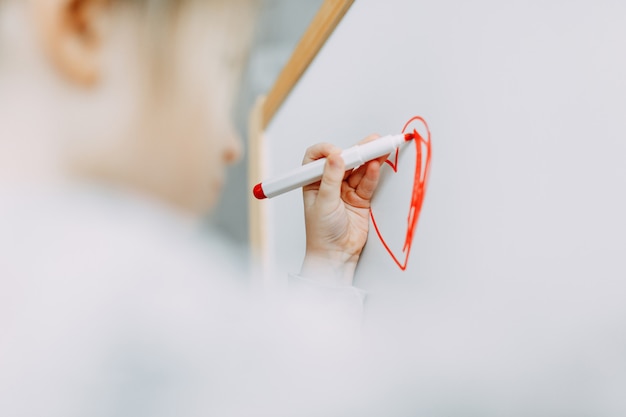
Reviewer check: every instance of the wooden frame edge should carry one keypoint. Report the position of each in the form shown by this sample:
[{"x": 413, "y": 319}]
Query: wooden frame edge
[{"x": 257, "y": 216}]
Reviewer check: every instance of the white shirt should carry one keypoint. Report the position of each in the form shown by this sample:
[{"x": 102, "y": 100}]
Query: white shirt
[{"x": 111, "y": 305}]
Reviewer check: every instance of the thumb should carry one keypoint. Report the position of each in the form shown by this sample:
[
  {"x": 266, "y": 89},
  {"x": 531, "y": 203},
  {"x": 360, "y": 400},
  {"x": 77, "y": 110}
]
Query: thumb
[{"x": 329, "y": 194}]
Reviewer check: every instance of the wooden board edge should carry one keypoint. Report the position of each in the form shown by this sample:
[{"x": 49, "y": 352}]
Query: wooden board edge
[{"x": 323, "y": 25}]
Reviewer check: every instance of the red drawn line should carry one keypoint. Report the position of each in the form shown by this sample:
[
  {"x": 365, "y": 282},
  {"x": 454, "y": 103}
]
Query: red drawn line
[{"x": 419, "y": 191}]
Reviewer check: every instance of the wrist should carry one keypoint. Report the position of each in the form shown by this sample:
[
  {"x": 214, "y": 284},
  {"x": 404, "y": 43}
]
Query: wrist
[{"x": 335, "y": 268}]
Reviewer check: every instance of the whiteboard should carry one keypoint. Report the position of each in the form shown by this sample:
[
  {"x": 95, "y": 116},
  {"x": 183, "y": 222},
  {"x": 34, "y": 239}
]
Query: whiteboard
[
  {"x": 527, "y": 104},
  {"x": 523, "y": 227}
]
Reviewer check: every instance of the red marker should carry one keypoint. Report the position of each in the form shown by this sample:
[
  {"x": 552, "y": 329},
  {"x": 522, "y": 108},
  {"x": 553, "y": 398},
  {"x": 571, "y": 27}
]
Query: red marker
[{"x": 312, "y": 172}]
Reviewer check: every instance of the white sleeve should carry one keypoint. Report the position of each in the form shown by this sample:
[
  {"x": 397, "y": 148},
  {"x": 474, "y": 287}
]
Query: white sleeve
[{"x": 325, "y": 314}]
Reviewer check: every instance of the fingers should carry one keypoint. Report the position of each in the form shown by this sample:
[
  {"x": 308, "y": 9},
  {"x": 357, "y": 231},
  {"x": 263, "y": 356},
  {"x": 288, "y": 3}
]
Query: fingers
[
  {"x": 357, "y": 176},
  {"x": 329, "y": 194},
  {"x": 360, "y": 172},
  {"x": 362, "y": 181},
  {"x": 318, "y": 151},
  {"x": 368, "y": 183},
  {"x": 322, "y": 150}
]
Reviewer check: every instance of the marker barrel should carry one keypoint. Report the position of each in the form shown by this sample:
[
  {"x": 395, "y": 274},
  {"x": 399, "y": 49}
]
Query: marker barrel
[{"x": 312, "y": 172}]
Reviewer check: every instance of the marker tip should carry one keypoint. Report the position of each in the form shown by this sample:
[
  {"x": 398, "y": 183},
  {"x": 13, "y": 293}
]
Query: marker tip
[{"x": 411, "y": 136}]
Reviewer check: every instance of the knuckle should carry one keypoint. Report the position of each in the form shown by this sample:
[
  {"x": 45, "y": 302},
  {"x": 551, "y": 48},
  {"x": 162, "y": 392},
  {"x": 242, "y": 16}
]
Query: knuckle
[{"x": 317, "y": 151}]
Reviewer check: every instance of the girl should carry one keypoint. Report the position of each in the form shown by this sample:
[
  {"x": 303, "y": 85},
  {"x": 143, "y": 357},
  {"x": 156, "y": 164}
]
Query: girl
[{"x": 115, "y": 133}]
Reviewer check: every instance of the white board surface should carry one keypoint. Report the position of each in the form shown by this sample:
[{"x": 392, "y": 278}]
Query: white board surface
[{"x": 524, "y": 222}]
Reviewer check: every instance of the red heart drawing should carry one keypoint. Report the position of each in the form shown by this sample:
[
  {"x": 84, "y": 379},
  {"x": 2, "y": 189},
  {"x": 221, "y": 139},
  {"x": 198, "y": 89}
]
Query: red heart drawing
[{"x": 422, "y": 170}]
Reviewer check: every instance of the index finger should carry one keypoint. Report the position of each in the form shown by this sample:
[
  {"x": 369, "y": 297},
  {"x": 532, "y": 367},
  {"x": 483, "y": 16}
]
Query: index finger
[{"x": 319, "y": 151}]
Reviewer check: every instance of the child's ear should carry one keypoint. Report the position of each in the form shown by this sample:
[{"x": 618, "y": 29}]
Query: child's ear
[{"x": 72, "y": 34}]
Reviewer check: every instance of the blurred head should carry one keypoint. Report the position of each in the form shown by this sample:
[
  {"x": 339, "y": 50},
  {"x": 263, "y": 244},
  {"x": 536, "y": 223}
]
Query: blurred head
[{"x": 134, "y": 93}]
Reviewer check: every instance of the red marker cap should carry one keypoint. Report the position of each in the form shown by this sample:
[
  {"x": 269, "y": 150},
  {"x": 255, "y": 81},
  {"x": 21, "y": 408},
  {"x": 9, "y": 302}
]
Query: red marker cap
[{"x": 258, "y": 192}]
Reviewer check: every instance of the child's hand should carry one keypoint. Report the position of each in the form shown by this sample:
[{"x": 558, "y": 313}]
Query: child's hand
[{"x": 336, "y": 211}]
